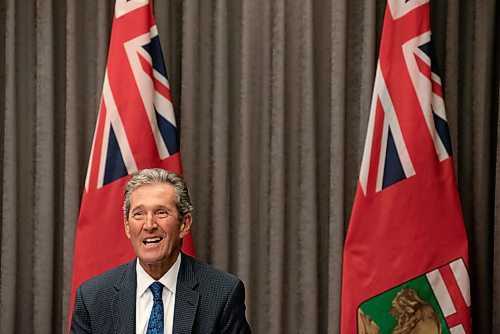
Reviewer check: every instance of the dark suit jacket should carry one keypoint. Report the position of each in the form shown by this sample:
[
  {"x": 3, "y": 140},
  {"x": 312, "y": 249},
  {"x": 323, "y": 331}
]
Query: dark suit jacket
[{"x": 206, "y": 301}]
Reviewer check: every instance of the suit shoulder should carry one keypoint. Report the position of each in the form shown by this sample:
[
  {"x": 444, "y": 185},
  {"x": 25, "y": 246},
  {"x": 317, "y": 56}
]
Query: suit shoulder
[
  {"x": 106, "y": 279},
  {"x": 204, "y": 269},
  {"x": 221, "y": 306}
]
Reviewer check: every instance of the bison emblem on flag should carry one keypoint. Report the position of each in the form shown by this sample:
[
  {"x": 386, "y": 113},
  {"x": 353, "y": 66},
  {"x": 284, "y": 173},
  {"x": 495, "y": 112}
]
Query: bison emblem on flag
[{"x": 436, "y": 302}]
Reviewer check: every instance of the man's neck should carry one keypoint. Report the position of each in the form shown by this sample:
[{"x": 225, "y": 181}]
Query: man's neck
[{"x": 158, "y": 269}]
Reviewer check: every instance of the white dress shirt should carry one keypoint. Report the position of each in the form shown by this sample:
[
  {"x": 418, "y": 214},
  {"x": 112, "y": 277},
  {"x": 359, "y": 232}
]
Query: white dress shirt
[{"x": 144, "y": 298}]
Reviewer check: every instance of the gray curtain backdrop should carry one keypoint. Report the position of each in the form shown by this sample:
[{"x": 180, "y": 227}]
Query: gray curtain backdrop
[{"x": 273, "y": 102}]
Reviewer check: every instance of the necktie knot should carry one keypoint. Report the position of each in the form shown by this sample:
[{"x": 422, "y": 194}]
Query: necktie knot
[{"x": 157, "y": 289}]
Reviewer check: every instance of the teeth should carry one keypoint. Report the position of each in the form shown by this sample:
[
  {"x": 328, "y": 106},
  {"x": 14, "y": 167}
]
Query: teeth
[{"x": 152, "y": 240}]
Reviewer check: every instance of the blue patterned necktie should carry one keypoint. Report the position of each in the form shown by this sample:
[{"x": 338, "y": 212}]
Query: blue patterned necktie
[{"x": 155, "y": 324}]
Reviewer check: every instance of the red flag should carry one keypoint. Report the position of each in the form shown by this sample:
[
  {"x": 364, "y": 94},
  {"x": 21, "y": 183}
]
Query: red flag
[
  {"x": 406, "y": 253},
  {"x": 135, "y": 129}
]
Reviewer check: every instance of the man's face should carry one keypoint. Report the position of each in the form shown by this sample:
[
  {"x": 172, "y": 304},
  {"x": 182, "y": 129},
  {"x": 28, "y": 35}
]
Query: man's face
[{"x": 153, "y": 224}]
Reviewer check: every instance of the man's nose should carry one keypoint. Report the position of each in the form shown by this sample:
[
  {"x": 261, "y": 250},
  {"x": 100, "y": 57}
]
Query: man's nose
[{"x": 150, "y": 223}]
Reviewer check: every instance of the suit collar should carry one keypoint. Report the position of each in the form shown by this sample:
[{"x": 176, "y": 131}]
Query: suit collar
[
  {"x": 187, "y": 298},
  {"x": 186, "y": 272},
  {"x": 124, "y": 300}
]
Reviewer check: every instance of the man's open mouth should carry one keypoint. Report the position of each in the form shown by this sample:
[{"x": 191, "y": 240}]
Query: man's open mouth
[{"x": 150, "y": 241}]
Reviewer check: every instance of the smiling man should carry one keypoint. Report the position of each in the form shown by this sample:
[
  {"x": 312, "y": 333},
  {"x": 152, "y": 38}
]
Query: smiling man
[{"x": 163, "y": 290}]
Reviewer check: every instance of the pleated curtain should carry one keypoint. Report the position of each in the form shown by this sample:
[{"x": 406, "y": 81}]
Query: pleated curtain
[{"x": 272, "y": 100}]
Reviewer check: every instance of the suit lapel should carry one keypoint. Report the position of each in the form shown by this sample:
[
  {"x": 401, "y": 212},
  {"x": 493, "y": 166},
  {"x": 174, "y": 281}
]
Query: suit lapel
[
  {"x": 124, "y": 300},
  {"x": 186, "y": 297}
]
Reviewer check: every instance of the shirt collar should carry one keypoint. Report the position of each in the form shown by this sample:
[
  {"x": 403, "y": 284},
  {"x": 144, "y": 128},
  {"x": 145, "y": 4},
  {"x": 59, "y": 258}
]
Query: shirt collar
[{"x": 169, "y": 279}]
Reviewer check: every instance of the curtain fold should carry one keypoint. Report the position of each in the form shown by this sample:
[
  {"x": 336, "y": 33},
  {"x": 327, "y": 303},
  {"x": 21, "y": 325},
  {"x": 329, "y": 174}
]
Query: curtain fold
[
  {"x": 272, "y": 100},
  {"x": 45, "y": 194},
  {"x": 273, "y": 291},
  {"x": 8, "y": 258}
]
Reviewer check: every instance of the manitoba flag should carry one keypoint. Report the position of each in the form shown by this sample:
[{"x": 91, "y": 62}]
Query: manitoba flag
[
  {"x": 135, "y": 129},
  {"x": 406, "y": 254}
]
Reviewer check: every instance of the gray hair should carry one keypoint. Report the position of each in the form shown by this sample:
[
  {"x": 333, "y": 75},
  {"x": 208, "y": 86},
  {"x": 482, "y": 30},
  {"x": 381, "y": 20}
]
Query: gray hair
[{"x": 158, "y": 175}]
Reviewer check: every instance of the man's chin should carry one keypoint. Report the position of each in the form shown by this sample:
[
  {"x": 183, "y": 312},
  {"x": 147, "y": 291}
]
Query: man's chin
[
  {"x": 152, "y": 261},
  {"x": 155, "y": 259}
]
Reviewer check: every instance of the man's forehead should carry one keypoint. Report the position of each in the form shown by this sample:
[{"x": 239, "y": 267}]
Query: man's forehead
[
  {"x": 151, "y": 191},
  {"x": 152, "y": 186}
]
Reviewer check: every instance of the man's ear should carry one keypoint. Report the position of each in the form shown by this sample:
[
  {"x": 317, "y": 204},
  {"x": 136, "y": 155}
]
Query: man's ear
[
  {"x": 127, "y": 227},
  {"x": 185, "y": 227}
]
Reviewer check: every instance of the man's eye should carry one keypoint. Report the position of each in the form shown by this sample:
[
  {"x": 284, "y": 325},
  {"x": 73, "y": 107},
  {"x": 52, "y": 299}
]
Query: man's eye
[
  {"x": 138, "y": 215},
  {"x": 162, "y": 213}
]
